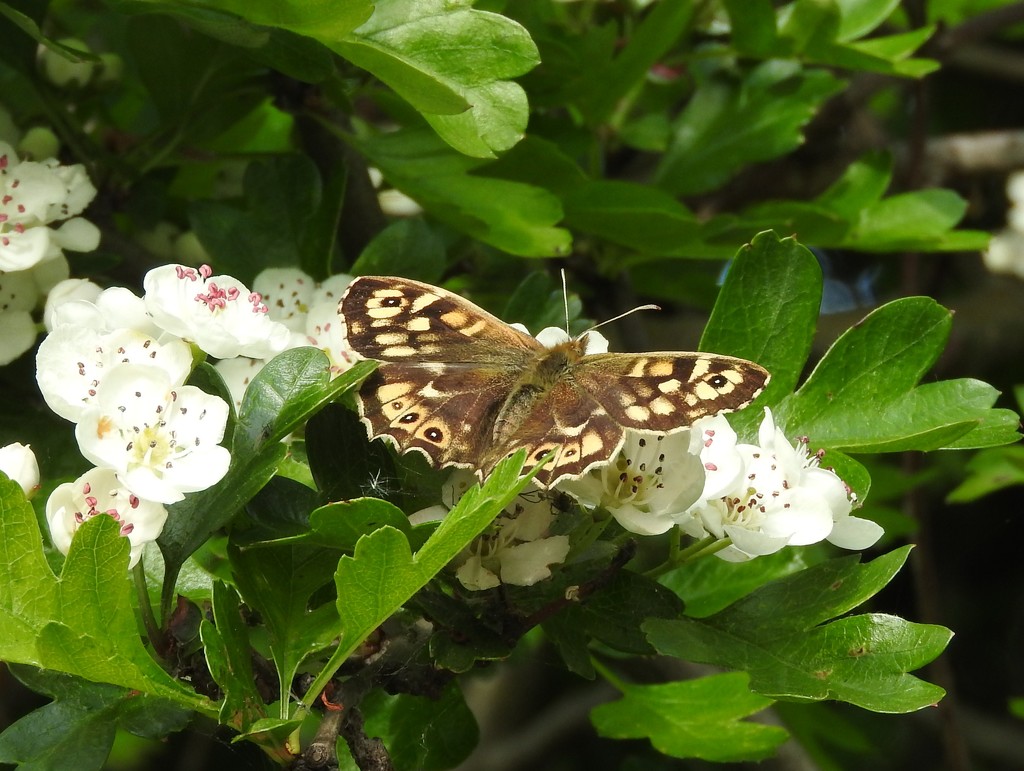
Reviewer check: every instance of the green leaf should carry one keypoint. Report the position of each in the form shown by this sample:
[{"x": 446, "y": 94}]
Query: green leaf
[
  {"x": 81, "y": 722},
  {"x": 229, "y": 657},
  {"x": 452, "y": 63},
  {"x": 916, "y": 220},
  {"x": 988, "y": 471},
  {"x": 733, "y": 122},
  {"x": 278, "y": 582},
  {"x": 83, "y": 622},
  {"x": 408, "y": 248},
  {"x": 316, "y": 18},
  {"x": 707, "y": 586},
  {"x": 639, "y": 217},
  {"x": 28, "y": 590},
  {"x": 805, "y": 22},
  {"x": 199, "y": 86},
  {"x": 341, "y": 525},
  {"x": 282, "y": 199},
  {"x": 422, "y": 733},
  {"x": 81, "y": 728},
  {"x": 777, "y": 328},
  {"x": 651, "y": 40},
  {"x": 282, "y": 396},
  {"x": 692, "y": 719},
  {"x": 512, "y": 216},
  {"x": 859, "y": 17},
  {"x": 383, "y": 573},
  {"x": 778, "y": 634},
  {"x": 878, "y": 362},
  {"x": 614, "y": 614},
  {"x": 753, "y": 26}
]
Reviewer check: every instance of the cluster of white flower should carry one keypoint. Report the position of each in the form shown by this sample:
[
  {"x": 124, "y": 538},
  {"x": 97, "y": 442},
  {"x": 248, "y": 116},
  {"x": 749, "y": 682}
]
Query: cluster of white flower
[
  {"x": 309, "y": 312},
  {"x": 753, "y": 499},
  {"x": 1005, "y": 253},
  {"x": 39, "y": 204},
  {"x": 115, "y": 364}
]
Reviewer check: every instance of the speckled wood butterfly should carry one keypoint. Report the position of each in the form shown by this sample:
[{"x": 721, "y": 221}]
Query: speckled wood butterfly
[{"x": 466, "y": 389}]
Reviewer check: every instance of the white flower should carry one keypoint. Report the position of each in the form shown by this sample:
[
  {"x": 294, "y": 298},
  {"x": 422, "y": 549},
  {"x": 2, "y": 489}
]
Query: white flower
[
  {"x": 69, "y": 290},
  {"x": 73, "y": 360},
  {"x": 160, "y": 438},
  {"x": 18, "y": 462},
  {"x": 287, "y": 293},
  {"x": 34, "y": 195},
  {"x": 19, "y": 294},
  {"x": 217, "y": 313},
  {"x": 516, "y": 549},
  {"x": 549, "y": 337},
  {"x": 648, "y": 485},
  {"x": 99, "y": 491},
  {"x": 766, "y": 496},
  {"x": 324, "y": 331},
  {"x": 331, "y": 289}
]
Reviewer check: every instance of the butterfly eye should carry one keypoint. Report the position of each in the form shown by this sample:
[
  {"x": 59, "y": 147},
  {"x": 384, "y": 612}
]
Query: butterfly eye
[
  {"x": 718, "y": 381},
  {"x": 434, "y": 434},
  {"x": 409, "y": 417},
  {"x": 391, "y": 302}
]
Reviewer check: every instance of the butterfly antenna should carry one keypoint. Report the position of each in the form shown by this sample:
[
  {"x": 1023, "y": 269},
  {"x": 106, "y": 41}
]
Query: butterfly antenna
[
  {"x": 623, "y": 315},
  {"x": 565, "y": 301}
]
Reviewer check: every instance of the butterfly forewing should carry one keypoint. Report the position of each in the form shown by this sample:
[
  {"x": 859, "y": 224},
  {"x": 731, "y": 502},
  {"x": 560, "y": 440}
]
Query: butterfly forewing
[{"x": 398, "y": 319}]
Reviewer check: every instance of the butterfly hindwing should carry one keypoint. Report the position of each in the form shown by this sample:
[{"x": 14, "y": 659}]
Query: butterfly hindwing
[{"x": 444, "y": 413}]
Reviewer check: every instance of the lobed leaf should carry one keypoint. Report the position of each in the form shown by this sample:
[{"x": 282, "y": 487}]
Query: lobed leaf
[
  {"x": 692, "y": 719},
  {"x": 780, "y": 636}
]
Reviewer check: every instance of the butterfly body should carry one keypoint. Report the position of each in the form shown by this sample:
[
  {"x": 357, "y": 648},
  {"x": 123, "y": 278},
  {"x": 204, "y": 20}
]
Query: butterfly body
[{"x": 466, "y": 389}]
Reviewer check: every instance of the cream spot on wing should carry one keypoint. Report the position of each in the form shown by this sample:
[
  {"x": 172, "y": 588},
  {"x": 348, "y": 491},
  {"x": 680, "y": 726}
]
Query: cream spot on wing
[
  {"x": 691, "y": 399},
  {"x": 432, "y": 368},
  {"x": 591, "y": 444},
  {"x": 660, "y": 368},
  {"x": 391, "y": 338},
  {"x": 418, "y": 324},
  {"x": 381, "y": 323},
  {"x": 728, "y": 388},
  {"x": 392, "y": 391},
  {"x": 573, "y": 430},
  {"x": 400, "y": 352},
  {"x": 423, "y": 301},
  {"x": 636, "y": 412},
  {"x": 456, "y": 319},
  {"x": 700, "y": 369},
  {"x": 643, "y": 390},
  {"x": 733, "y": 376},
  {"x": 355, "y": 327},
  {"x": 705, "y": 391},
  {"x": 430, "y": 349},
  {"x": 383, "y": 313},
  {"x": 662, "y": 406},
  {"x": 475, "y": 329},
  {"x": 669, "y": 386},
  {"x": 429, "y": 392},
  {"x": 638, "y": 368},
  {"x": 626, "y": 398}
]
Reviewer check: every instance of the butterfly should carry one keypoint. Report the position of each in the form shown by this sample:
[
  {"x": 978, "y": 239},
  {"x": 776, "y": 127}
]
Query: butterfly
[{"x": 465, "y": 389}]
